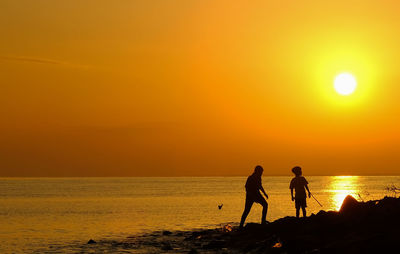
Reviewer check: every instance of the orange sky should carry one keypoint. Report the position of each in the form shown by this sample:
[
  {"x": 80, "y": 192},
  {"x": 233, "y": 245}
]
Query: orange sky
[{"x": 171, "y": 88}]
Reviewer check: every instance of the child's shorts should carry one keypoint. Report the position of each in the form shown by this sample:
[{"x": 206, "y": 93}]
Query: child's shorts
[{"x": 300, "y": 202}]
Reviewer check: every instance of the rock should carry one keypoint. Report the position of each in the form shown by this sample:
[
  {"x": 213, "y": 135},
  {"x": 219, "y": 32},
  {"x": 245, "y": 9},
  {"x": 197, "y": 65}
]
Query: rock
[
  {"x": 91, "y": 241},
  {"x": 215, "y": 244},
  {"x": 166, "y": 232},
  {"x": 349, "y": 204},
  {"x": 227, "y": 228},
  {"x": 249, "y": 247},
  {"x": 359, "y": 227},
  {"x": 166, "y": 246},
  {"x": 314, "y": 251}
]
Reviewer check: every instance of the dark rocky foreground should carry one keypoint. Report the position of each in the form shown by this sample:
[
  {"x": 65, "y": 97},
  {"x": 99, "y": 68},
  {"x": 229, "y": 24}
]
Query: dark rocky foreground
[{"x": 359, "y": 227}]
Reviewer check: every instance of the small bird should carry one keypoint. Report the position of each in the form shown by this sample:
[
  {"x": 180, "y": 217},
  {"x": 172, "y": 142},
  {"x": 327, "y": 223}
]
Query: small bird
[{"x": 220, "y": 206}]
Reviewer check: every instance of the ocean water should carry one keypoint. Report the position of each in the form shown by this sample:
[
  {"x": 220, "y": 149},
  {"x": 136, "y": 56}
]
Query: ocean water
[{"x": 39, "y": 215}]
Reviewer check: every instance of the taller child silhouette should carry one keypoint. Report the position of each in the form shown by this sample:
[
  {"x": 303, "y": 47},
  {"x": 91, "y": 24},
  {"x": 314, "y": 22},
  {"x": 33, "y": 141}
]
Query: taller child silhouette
[{"x": 253, "y": 187}]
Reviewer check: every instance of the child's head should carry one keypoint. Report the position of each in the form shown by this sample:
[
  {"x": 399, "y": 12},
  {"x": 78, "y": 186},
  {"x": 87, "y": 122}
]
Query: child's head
[
  {"x": 297, "y": 171},
  {"x": 258, "y": 170}
]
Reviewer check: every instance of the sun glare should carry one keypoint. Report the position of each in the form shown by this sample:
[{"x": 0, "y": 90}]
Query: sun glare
[
  {"x": 341, "y": 187},
  {"x": 345, "y": 84}
]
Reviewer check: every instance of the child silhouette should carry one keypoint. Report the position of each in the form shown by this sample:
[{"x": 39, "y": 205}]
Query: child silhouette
[
  {"x": 300, "y": 185},
  {"x": 253, "y": 188}
]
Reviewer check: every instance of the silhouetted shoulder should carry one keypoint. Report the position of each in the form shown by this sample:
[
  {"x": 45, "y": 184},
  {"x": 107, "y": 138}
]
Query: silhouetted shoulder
[
  {"x": 298, "y": 182},
  {"x": 291, "y": 186},
  {"x": 253, "y": 183}
]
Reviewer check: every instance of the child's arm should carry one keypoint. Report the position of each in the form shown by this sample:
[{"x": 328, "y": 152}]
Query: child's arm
[
  {"x": 263, "y": 191},
  {"x": 291, "y": 193},
  {"x": 309, "y": 193}
]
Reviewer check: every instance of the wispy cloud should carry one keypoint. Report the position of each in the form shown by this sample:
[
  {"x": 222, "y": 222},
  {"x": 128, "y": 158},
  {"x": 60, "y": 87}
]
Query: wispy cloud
[{"x": 37, "y": 60}]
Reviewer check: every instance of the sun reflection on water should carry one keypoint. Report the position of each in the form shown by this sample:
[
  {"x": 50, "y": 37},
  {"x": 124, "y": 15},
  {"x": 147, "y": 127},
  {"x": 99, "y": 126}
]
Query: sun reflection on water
[{"x": 341, "y": 186}]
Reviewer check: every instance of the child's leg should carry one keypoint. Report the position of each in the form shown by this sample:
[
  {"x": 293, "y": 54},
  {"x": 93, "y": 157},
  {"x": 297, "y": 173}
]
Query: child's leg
[
  {"x": 247, "y": 207},
  {"x": 297, "y": 212},
  {"x": 264, "y": 212},
  {"x": 304, "y": 211}
]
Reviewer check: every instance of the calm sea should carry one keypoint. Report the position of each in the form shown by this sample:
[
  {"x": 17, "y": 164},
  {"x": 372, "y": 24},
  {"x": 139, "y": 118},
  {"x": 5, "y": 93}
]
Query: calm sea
[{"x": 41, "y": 214}]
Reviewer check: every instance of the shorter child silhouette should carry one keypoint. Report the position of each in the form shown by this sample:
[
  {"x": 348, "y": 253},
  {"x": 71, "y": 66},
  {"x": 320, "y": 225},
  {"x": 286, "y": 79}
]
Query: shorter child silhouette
[{"x": 299, "y": 184}]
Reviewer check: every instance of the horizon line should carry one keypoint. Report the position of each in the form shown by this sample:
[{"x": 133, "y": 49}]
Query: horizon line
[{"x": 187, "y": 176}]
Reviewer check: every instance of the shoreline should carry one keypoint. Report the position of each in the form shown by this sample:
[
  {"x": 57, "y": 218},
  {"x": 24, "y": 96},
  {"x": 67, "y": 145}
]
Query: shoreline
[{"x": 359, "y": 227}]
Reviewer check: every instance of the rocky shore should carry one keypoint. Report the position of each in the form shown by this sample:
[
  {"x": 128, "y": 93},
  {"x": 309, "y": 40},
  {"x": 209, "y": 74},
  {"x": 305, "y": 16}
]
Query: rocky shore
[{"x": 359, "y": 227}]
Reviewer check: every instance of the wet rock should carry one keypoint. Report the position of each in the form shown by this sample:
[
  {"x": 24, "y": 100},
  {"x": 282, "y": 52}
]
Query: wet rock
[
  {"x": 314, "y": 251},
  {"x": 166, "y": 246},
  {"x": 194, "y": 235},
  {"x": 193, "y": 251},
  {"x": 91, "y": 241},
  {"x": 250, "y": 247},
  {"x": 166, "y": 232},
  {"x": 179, "y": 233},
  {"x": 214, "y": 244}
]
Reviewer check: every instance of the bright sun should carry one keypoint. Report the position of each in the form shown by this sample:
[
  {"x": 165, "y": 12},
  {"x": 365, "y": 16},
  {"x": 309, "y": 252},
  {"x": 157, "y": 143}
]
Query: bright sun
[{"x": 345, "y": 83}]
